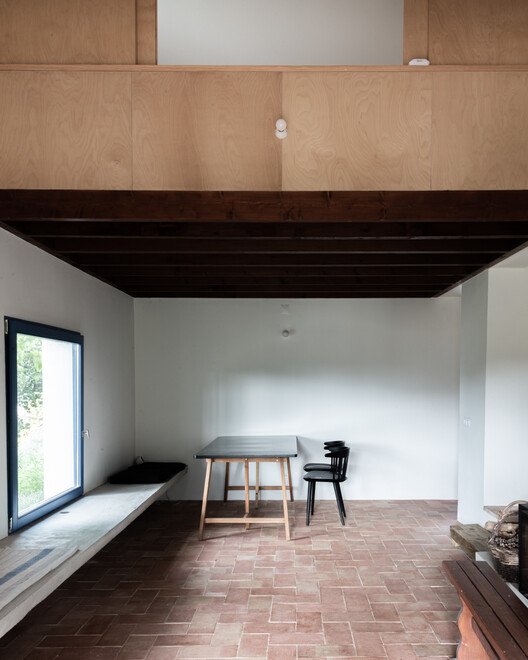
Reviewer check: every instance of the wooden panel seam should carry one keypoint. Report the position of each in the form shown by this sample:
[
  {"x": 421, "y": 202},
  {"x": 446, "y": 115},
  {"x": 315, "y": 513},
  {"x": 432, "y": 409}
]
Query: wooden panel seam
[{"x": 169, "y": 68}]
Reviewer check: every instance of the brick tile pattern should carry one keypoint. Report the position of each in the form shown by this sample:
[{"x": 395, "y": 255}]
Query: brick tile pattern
[{"x": 371, "y": 589}]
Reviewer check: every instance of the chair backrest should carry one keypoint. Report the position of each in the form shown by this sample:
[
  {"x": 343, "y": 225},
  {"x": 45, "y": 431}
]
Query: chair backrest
[
  {"x": 339, "y": 461},
  {"x": 333, "y": 443}
]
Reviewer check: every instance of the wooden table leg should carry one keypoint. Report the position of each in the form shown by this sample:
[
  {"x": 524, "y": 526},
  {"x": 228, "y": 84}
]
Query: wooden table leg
[
  {"x": 226, "y": 482},
  {"x": 257, "y": 483},
  {"x": 284, "y": 500},
  {"x": 205, "y": 495},
  {"x": 290, "y": 478},
  {"x": 246, "y": 488}
]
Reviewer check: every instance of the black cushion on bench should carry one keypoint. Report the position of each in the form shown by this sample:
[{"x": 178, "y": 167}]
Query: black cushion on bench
[{"x": 147, "y": 473}]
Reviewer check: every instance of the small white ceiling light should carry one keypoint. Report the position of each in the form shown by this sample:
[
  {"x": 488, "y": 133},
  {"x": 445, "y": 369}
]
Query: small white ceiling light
[{"x": 281, "y": 129}]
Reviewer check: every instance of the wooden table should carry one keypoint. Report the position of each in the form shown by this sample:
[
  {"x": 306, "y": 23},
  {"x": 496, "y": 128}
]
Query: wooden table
[{"x": 249, "y": 449}]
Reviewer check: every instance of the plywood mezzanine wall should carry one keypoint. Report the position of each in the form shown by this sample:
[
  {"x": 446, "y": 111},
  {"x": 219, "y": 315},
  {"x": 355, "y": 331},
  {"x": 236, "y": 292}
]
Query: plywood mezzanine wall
[
  {"x": 206, "y": 131},
  {"x": 357, "y": 131},
  {"x": 65, "y": 130},
  {"x": 466, "y": 32},
  {"x": 168, "y": 129},
  {"x": 78, "y": 31}
]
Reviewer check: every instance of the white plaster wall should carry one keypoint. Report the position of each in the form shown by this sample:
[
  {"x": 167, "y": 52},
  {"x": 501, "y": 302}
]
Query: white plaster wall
[
  {"x": 281, "y": 32},
  {"x": 380, "y": 374},
  {"x": 35, "y": 286},
  {"x": 506, "y": 453},
  {"x": 473, "y": 346}
]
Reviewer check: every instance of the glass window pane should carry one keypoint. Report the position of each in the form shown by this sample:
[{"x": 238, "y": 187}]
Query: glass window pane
[{"x": 48, "y": 424}]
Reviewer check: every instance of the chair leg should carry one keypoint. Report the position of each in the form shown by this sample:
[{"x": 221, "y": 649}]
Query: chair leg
[
  {"x": 341, "y": 516},
  {"x": 308, "y": 503},
  {"x": 341, "y": 499},
  {"x": 314, "y": 484}
]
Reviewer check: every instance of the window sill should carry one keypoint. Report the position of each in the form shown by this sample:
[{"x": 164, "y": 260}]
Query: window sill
[{"x": 91, "y": 522}]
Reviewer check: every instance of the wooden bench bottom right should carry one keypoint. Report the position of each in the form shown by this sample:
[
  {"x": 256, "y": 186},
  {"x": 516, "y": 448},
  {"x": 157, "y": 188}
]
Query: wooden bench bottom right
[{"x": 493, "y": 622}]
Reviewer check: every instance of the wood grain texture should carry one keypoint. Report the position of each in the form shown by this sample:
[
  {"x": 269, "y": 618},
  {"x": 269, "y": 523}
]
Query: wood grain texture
[
  {"x": 65, "y": 130},
  {"x": 478, "y": 31},
  {"x": 206, "y": 131},
  {"x": 473, "y": 645},
  {"x": 357, "y": 131},
  {"x": 494, "y": 623},
  {"x": 480, "y": 139},
  {"x": 215, "y": 131},
  {"x": 68, "y": 31},
  {"x": 415, "y": 29},
  {"x": 146, "y": 31}
]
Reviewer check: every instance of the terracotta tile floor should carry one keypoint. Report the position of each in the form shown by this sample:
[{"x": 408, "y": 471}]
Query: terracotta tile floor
[{"x": 372, "y": 589}]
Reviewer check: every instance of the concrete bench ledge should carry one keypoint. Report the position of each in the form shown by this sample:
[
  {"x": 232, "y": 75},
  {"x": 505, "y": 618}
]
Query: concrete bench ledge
[{"x": 86, "y": 525}]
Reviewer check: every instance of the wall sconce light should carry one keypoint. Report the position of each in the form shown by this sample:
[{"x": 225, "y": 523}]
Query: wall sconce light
[{"x": 281, "y": 129}]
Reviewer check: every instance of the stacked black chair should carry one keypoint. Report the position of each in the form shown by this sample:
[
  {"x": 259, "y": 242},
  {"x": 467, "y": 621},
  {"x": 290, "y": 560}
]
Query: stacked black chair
[
  {"x": 336, "y": 475},
  {"x": 329, "y": 446}
]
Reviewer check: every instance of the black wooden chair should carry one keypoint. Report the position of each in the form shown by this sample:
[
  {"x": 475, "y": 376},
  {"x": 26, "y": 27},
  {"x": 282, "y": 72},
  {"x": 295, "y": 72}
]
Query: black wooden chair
[
  {"x": 335, "y": 476},
  {"x": 329, "y": 446}
]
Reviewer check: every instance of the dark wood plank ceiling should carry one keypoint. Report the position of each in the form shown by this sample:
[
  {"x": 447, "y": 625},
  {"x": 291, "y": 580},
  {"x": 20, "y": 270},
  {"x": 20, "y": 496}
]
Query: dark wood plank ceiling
[{"x": 267, "y": 244}]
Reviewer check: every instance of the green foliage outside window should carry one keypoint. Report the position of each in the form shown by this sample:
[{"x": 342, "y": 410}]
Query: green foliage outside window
[{"x": 30, "y": 421}]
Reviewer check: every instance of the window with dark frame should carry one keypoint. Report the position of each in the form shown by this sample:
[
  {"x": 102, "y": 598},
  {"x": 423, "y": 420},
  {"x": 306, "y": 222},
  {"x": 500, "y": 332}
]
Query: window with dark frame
[{"x": 44, "y": 388}]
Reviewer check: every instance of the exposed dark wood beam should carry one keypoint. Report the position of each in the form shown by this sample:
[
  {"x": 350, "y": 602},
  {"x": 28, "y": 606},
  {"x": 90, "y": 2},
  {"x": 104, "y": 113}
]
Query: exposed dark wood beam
[
  {"x": 277, "y": 285},
  {"x": 40, "y": 229},
  {"x": 473, "y": 261},
  {"x": 278, "y": 294},
  {"x": 160, "y": 272},
  {"x": 275, "y": 282},
  {"x": 248, "y": 246},
  {"x": 259, "y": 244},
  {"x": 146, "y": 206}
]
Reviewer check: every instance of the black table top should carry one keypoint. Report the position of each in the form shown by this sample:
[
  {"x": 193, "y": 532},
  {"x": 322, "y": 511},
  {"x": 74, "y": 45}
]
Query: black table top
[{"x": 250, "y": 446}]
